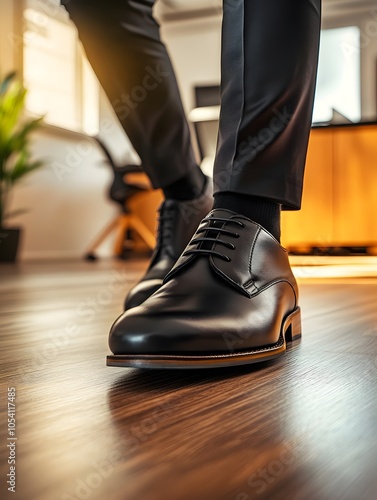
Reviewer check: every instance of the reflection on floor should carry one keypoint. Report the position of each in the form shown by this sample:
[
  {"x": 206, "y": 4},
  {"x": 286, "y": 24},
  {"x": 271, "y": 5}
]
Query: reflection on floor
[{"x": 301, "y": 427}]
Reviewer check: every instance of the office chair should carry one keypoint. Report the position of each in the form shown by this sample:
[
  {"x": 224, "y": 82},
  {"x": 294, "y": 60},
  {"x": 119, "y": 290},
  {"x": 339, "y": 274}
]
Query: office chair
[{"x": 126, "y": 222}]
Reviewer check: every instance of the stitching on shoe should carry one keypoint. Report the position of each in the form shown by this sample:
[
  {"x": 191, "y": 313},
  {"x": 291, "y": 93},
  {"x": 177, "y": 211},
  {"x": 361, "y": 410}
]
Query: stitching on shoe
[
  {"x": 227, "y": 278},
  {"x": 294, "y": 293},
  {"x": 272, "y": 283},
  {"x": 251, "y": 257}
]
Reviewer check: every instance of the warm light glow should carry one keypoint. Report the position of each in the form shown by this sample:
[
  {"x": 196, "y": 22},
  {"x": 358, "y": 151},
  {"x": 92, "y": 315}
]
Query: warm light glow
[
  {"x": 338, "y": 83},
  {"x": 205, "y": 114},
  {"x": 60, "y": 84}
]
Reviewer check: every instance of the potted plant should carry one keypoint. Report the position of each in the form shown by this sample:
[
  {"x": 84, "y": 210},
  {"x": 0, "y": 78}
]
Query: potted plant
[{"x": 15, "y": 157}]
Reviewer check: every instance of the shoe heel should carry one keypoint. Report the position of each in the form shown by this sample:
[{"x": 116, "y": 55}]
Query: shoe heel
[{"x": 293, "y": 326}]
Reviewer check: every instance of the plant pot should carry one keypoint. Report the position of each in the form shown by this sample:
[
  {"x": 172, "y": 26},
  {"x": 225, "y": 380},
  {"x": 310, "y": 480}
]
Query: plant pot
[{"x": 9, "y": 239}]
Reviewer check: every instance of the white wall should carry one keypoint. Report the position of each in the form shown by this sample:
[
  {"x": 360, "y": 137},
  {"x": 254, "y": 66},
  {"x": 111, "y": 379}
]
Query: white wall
[
  {"x": 194, "y": 47},
  {"x": 65, "y": 200},
  {"x": 367, "y": 22}
]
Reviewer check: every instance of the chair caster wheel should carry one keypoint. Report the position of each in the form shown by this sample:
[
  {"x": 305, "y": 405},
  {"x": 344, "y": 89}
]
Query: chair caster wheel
[{"x": 90, "y": 257}]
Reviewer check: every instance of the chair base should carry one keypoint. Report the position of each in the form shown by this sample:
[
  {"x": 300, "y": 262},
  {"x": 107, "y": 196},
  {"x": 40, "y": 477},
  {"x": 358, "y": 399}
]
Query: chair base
[{"x": 122, "y": 224}]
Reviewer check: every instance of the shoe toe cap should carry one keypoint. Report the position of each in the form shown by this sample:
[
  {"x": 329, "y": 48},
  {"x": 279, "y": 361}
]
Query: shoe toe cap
[{"x": 134, "y": 333}]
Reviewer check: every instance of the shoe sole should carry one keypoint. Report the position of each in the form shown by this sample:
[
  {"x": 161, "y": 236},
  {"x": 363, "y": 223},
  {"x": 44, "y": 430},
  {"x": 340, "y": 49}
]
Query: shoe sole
[{"x": 290, "y": 331}]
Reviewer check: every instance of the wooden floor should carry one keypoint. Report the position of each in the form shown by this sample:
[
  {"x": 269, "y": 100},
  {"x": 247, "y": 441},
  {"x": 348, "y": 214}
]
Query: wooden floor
[{"x": 302, "y": 427}]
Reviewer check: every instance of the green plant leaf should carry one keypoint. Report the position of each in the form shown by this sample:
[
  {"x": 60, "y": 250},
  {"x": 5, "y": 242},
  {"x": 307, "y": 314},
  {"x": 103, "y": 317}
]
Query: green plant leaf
[
  {"x": 15, "y": 157},
  {"x": 6, "y": 82},
  {"x": 11, "y": 107},
  {"x": 19, "y": 139}
]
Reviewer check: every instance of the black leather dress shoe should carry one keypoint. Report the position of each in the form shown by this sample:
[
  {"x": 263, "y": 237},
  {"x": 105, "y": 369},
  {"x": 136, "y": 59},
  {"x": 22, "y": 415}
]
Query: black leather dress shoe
[
  {"x": 230, "y": 299},
  {"x": 177, "y": 221}
]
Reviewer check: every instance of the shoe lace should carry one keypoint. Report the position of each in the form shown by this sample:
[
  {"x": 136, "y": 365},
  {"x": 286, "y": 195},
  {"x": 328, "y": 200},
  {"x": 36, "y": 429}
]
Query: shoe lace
[
  {"x": 165, "y": 225},
  {"x": 206, "y": 242}
]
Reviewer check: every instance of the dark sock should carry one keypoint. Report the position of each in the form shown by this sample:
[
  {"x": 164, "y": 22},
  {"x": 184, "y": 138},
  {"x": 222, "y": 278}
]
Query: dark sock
[
  {"x": 188, "y": 187},
  {"x": 260, "y": 210}
]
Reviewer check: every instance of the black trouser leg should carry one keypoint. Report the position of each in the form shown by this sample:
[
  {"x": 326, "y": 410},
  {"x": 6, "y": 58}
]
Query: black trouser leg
[
  {"x": 269, "y": 63},
  {"x": 122, "y": 42}
]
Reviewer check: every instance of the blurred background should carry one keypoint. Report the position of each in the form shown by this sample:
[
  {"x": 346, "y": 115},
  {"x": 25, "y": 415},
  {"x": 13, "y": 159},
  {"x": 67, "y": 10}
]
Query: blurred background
[{"x": 67, "y": 202}]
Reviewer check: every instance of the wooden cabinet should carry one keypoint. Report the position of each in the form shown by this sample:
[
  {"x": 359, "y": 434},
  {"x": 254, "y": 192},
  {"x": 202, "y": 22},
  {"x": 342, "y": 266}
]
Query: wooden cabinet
[
  {"x": 313, "y": 224},
  {"x": 355, "y": 187},
  {"x": 340, "y": 191}
]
